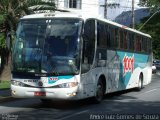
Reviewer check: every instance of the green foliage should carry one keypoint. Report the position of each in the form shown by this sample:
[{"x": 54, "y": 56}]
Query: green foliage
[
  {"x": 153, "y": 25},
  {"x": 153, "y": 28},
  {"x": 1, "y": 19},
  {"x": 154, "y": 5},
  {"x": 4, "y": 85},
  {"x": 12, "y": 10}
]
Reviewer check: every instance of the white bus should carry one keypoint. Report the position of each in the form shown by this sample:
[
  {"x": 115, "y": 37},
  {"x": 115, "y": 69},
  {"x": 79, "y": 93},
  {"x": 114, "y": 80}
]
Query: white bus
[{"x": 70, "y": 56}]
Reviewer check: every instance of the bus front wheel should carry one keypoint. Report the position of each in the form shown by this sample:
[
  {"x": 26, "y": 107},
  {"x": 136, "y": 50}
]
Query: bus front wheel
[{"x": 99, "y": 92}]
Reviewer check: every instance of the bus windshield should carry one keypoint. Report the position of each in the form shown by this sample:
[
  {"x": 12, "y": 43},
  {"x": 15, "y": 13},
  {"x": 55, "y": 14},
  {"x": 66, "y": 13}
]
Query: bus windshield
[{"x": 47, "y": 46}]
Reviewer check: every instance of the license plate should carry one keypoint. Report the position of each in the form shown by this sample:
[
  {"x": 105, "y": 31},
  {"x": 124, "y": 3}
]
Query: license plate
[{"x": 39, "y": 93}]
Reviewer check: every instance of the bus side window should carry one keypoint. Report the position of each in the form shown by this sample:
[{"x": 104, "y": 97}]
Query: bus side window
[
  {"x": 146, "y": 44},
  {"x": 131, "y": 41},
  {"x": 138, "y": 44},
  {"x": 143, "y": 45},
  {"x": 113, "y": 40},
  {"x": 149, "y": 45},
  {"x": 111, "y": 37},
  {"x": 101, "y": 35},
  {"x": 88, "y": 45},
  {"x": 121, "y": 39},
  {"x": 125, "y": 40},
  {"x": 108, "y": 35},
  {"x": 116, "y": 37}
]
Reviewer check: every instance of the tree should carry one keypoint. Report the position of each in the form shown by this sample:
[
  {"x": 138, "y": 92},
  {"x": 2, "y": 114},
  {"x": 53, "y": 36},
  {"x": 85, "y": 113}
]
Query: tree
[
  {"x": 12, "y": 10},
  {"x": 154, "y": 5},
  {"x": 152, "y": 27}
]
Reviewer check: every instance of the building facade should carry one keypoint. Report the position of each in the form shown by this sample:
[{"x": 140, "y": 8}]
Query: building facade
[{"x": 92, "y": 7}]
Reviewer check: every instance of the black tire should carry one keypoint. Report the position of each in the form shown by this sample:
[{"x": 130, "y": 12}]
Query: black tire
[
  {"x": 99, "y": 92},
  {"x": 140, "y": 83}
]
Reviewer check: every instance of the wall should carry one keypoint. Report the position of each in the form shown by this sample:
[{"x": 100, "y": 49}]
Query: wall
[{"x": 91, "y": 7}]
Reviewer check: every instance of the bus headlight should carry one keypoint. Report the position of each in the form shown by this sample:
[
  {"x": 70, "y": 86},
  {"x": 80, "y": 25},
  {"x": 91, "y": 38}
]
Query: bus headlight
[
  {"x": 17, "y": 83},
  {"x": 68, "y": 85}
]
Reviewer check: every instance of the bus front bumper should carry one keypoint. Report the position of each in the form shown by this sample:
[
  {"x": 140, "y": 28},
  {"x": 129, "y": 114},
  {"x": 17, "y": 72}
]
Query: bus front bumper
[{"x": 42, "y": 93}]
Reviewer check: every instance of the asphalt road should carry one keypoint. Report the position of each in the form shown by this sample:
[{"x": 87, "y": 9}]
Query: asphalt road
[{"x": 126, "y": 105}]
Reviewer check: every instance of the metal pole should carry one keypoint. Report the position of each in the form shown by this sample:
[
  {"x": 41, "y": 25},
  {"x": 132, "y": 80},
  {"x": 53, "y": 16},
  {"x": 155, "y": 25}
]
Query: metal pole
[
  {"x": 149, "y": 19},
  {"x": 105, "y": 9},
  {"x": 133, "y": 15}
]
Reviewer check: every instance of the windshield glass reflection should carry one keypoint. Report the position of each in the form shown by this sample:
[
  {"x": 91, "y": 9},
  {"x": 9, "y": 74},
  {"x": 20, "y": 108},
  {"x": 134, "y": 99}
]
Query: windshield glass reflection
[{"x": 47, "y": 46}]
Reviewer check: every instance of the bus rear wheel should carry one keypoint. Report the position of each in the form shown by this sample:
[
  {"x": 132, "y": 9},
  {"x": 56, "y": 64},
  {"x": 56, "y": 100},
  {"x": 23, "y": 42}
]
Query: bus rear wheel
[
  {"x": 99, "y": 92},
  {"x": 140, "y": 83}
]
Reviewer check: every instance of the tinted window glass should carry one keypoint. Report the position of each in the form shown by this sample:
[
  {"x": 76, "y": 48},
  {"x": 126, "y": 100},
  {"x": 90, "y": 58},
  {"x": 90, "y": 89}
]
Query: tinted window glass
[
  {"x": 88, "y": 45},
  {"x": 101, "y": 35}
]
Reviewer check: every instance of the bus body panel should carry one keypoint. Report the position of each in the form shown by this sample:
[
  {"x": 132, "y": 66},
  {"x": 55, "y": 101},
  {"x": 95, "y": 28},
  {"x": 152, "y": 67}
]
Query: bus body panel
[
  {"x": 56, "y": 93},
  {"x": 121, "y": 68},
  {"x": 50, "y": 87},
  {"x": 114, "y": 71}
]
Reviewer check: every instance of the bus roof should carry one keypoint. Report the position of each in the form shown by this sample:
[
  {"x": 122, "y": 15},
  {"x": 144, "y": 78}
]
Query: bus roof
[{"x": 75, "y": 14}]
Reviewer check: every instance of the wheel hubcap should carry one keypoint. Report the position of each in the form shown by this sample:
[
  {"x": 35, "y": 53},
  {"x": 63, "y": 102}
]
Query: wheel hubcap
[{"x": 140, "y": 83}]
